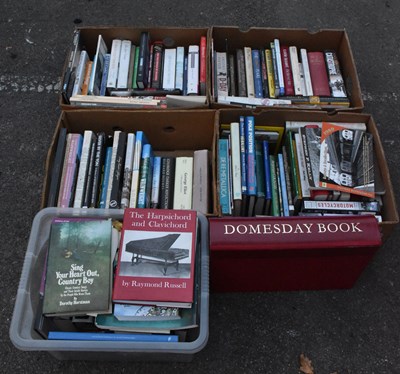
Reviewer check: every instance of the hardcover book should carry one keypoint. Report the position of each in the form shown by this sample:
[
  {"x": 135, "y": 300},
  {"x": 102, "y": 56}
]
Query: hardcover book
[
  {"x": 78, "y": 276},
  {"x": 319, "y": 75},
  {"x": 183, "y": 186},
  {"x": 167, "y": 182},
  {"x": 157, "y": 258},
  {"x": 97, "y": 68}
]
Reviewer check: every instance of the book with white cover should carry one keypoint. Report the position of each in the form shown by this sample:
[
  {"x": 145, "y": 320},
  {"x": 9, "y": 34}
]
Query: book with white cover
[
  {"x": 169, "y": 67},
  {"x": 180, "y": 61},
  {"x": 193, "y": 70},
  {"x": 248, "y": 63},
  {"x": 80, "y": 72},
  {"x": 183, "y": 186},
  {"x": 114, "y": 63},
  {"x": 294, "y": 61},
  {"x": 97, "y": 67},
  {"x": 124, "y": 63},
  {"x": 306, "y": 72},
  {"x": 127, "y": 182},
  {"x": 279, "y": 66}
]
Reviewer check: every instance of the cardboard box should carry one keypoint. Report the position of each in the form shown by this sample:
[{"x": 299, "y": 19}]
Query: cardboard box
[
  {"x": 296, "y": 269},
  {"x": 24, "y": 337},
  {"x": 170, "y": 36},
  {"x": 227, "y": 38},
  {"x": 171, "y": 133}
]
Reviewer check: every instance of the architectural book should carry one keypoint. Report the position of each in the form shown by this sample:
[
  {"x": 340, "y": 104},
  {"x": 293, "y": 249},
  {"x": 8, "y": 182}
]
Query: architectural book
[
  {"x": 78, "y": 276},
  {"x": 157, "y": 258}
]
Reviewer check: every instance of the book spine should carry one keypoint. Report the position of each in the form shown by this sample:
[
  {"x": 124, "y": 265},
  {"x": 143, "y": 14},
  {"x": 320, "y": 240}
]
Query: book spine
[
  {"x": 156, "y": 79},
  {"x": 285, "y": 201},
  {"x": 306, "y": 72},
  {"x": 243, "y": 163},
  {"x": 80, "y": 73},
  {"x": 57, "y": 168},
  {"x": 185, "y": 75},
  {"x": 135, "y": 68},
  {"x": 131, "y": 67},
  {"x": 183, "y": 188},
  {"x": 180, "y": 64},
  {"x": 90, "y": 174},
  {"x": 294, "y": 232},
  {"x": 114, "y": 64},
  {"x": 294, "y": 63},
  {"x": 103, "y": 86},
  {"x": 302, "y": 81},
  {"x": 275, "y": 68},
  {"x": 264, "y": 74},
  {"x": 150, "y": 65},
  {"x": 127, "y": 182},
  {"x": 146, "y": 170},
  {"x": 318, "y": 73},
  {"x": 156, "y": 181},
  {"x": 307, "y": 158},
  {"x": 305, "y": 187},
  {"x": 124, "y": 60},
  {"x": 169, "y": 66},
  {"x": 106, "y": 177},
  {"x": 140, "y": 141},
  {"x": 241, "y": 73},
  {"x": 98, "y": 169},
  {"x": 275, "y": 208},
  {"x": 250, "y": 155},
  {"x": 86, "y": 79},
  {"x": 290, "y": 144},
  {"x": 203, "y": 65},
  {"x": 143, "y": 64},
  {"x": 221, "y": 73},
  {"x": 235, "y": 161},
  {"x": 267, "y": 174},
  {"x": 223, "y": 166},
  {"x": 270, "y": 73},
  {"x": 287, "y": 71},
  {"x": 279, "y": 185},
  {"x": 193, "y": 70},
  {"x": 232, "y": 75},
  {"x": 117, "y": 177},
  {"x": 336, "y": 81},
  {"x": 259, "y": 207},
  {"x": 97, "y": 68},
  {"x": 201, "y": 181},
  {"x": 288, "y": 180},
  {"x": 258, "y": 87},
  {"x": 277, "y": 46},
  {"x": 167, "y": 182},
  {"x": 248, "y": 63}
]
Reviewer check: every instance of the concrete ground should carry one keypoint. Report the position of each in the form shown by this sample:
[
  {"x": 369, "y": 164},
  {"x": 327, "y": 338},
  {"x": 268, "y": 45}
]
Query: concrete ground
[{"x": 350, "y": 331}]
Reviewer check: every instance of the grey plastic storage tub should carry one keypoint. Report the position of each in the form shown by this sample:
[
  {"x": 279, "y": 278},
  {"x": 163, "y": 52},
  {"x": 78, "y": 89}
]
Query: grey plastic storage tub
[{"x": 24, "y": 337}]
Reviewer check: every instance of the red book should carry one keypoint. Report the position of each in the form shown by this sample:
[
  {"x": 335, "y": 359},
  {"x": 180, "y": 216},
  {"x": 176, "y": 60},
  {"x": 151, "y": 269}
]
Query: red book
[
  {"x": 319, "y": 74},
  {"x": 203, "y": 59},
  {"x": 287, "y": 71},
  {"x": 156, "y": 258},
  {"x": 290, "y": 253}
]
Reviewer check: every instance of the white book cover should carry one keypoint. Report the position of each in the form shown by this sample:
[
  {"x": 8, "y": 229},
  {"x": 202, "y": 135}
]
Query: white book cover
[
  {"x": 306, "y": 72},
  {"x": 97, "y": 68},
  {"x": 180, "y": 62},
  {"x": 169, "y": 66},
  {"x": 235, "y": 161},
  {"x": 88, "y": 139},
  {"x": 183, "y": 184},
  {"x": 305, "y": 187},
  {"x": 302, "y": 83},
  {"x": 127, "y": 182},
  {"x": 193, "y": 70},
  {"x": 124, "y": 61},
  {"x": 137, "y": 155},
  {"x": 279, "y": 65},
  {"x": 114, "y": 63},
  {"x": 294, "y": 62},
  {"x": 248, "y": 63},
  {"x": 131, "y": 66},
  {"x": 222, "y": 73},
  {"x": 80, "y": 72},
  {"x": 112, "y": 167},
  {"x": 295, "y": 125},
  {"x": 201, "y": 181}
]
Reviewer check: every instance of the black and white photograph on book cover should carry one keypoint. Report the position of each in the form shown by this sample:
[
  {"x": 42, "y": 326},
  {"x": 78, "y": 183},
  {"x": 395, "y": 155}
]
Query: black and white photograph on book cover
[{"x": 339, "y": 330}]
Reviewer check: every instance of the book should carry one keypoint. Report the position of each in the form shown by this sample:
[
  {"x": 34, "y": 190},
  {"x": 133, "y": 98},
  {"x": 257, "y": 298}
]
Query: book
[
  {"x": 78, "y": 275},
  {"x": 294, "y": 63},
  {"x": 294, "y": 233},
  {"x": 346, "y": 160},
  {"x": 150, "y": 65},
  {"x": 241, "y": 73},
  {"x": 70, "y": 170},
  {"x": 221, "y": 74},
  {"x": 87, "y": 196},
  {"x": 270, "y": 74},
  {"x": 203, "y": 65},
  {"x": 306, "y": 72},
  {"x": 167, "y": 182},
  {"x": 259, "y": 206},
  {"x": 193, "y": 70},
  {"x": 258, "y": 84},
  {"x": 287, "y": 71},
  {"x": 106, "y": 177},
  {"x": 336, "y": 82},
  {"x": 223, "y": 176},
  {"x": 140, "y": 141},
  {"x": 264, "y": 74},
  {"x": 267, "y": 175},
  {"x": 97, "y": 67},
  {"x": 98, "y": 169},
  {"x": 236, "y": 173},
  {"x": 156, "y": 258},
  {"x": 135, "y": 68},
  {"x": 106, "y": 336},
  {"x": 248, "y": 64},
  {"x": 147, "y": 102},
  {"x": 56, "y": 169},
  {"x": 127, "y": 181},
  {"x": 80, "y": 73},
  {"x": 282, "y": 176},
  {"x": 344, "y": 207},
  {"x": 130, "y": 312},
  {"x": 252, "y": 101},
  {"x": 311, "y": 141},
  {"x": 251, "y": 181},
  {"x": 183, "y": 183},
  {"x": 275, "y": 69},
  {"x": 201, "y": 181},
  {"x": 156, "y": 77},
  {"x": 114, "y": 64},
  {"x": 145, "y": 177},
  {"x": 169, "y": 66},
  {"x": 156, "y": 183},
  {"x": 124, "y": 62},
  {"x": 302, "y": 166},
  {"x": 179, "y": 71},
  {"x": 275, "y": 204},
  {"x": 144, "y": 54},
  {"x": 319, "y": 75},
  {"x": 281, "y": 80},
  {"x": 86, "y": 78},
  {"x": 106, "y": 67}
]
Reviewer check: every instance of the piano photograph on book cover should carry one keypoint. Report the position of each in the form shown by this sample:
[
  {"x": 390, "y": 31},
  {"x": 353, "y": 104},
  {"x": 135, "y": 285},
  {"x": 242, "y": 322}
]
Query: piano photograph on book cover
[{"x": 150, "y": 254}]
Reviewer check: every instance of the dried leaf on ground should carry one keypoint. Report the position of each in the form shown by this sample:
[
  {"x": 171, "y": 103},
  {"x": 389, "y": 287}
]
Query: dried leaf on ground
[{"x": 306, "y": 365}]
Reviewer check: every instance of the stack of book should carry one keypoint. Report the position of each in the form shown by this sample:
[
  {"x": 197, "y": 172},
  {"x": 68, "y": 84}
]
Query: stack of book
[
  {"x": 278, "y": 74},
  {"x": 142, "y": 73},
  {"x": 318, "y": 168},
  {"x": 151, "y": 294},
  {"x": 95, "y": 170}
]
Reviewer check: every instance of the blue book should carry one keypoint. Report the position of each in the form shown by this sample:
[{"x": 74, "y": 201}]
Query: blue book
[
  {"x": 106, "y": 175},
  {"x": 251, "y": 163},
  {"x": 145, "y": 179},
  {"x": 155, "y": 188},
  {"x": 267, "y": 168},
  {"x": 282, "y": 179},
  {"x": 258, "y": 86},
  {"x": 109, "y": 336},
  {"x": 223, "y": 176},
  {"x": 243, "y": 154},
  {"x": 106, "y": 67}
]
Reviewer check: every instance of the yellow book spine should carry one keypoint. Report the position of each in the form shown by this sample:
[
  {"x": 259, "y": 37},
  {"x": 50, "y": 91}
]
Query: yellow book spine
[{"x": 270, "y": 73}]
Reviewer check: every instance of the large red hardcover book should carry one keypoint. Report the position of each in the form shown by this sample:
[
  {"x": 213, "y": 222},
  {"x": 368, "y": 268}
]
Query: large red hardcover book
[
  {"x": 290, "y": 253},
  {"x": 156, "y": 258},
  {"x": 319, "y": 74}
]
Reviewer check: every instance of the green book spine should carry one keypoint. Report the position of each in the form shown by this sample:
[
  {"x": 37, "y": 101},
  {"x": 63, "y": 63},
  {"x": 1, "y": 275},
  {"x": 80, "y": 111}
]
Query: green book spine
[
  {"x": 274, "y": 182},
  {"x": 135, "y": 68}
]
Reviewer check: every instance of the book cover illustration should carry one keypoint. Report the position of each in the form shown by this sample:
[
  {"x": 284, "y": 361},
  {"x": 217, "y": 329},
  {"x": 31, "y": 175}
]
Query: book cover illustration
[
  {"x": 346, "y": 160},
  {"x": 156, "y": 258},
  {"x": 78, "y": 276}
]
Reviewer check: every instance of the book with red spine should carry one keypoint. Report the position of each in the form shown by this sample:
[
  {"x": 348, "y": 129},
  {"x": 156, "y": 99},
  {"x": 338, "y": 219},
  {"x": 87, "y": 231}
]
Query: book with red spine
[
  {"x": 156, "y": 259},
  {"x": 290, "y": 253},
  {"x": 319, "y": 74},
  {"x": 287, "y": 71},
  {"x": 203, "y": 64}
]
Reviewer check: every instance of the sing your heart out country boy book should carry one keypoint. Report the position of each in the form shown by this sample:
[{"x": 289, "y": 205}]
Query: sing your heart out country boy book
[
  {"x": 78, "y": 275},
  {"x": 156, "y": 259}
]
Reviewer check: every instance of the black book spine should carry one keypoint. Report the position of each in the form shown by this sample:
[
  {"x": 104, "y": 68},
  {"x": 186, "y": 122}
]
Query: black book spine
[
  {"x": 156, "y": 81},
  {"x": 232, "y": 75},
  {"x": 143, "y": 66},
  {"x": 97, "y": 169},
  {"x": 264, "y": 75},
  {"x": 167, "y": 182},
  {"x": 241, "y": 73},
  {"x": 118, "y": 176}
]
